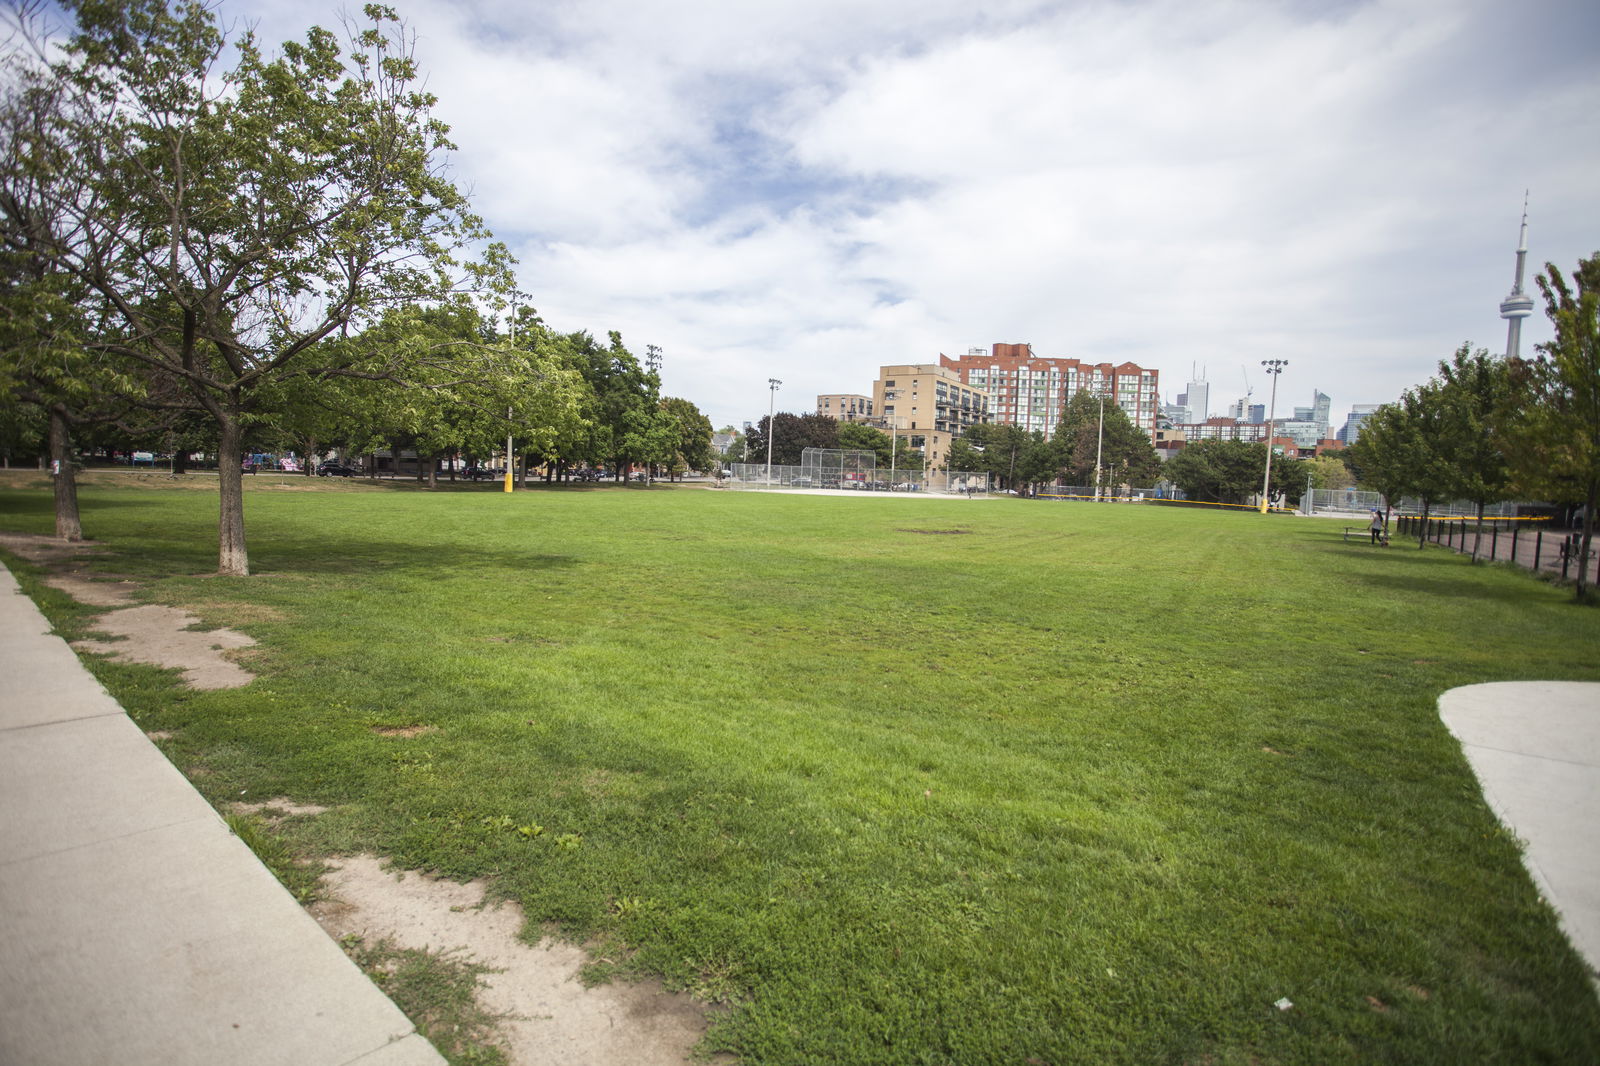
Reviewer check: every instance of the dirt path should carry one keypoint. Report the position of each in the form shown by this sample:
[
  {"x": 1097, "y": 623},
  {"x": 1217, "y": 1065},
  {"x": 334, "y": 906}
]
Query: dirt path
[{"x": 551, "y": 1019}]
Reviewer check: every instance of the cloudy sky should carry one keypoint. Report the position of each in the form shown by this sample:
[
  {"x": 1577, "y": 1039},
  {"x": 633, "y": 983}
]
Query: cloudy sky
[{"x": 807, "y": 189}]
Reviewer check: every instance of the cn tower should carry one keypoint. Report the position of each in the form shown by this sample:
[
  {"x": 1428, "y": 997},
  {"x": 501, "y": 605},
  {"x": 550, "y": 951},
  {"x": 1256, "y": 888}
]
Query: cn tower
[{"x": 1519, "y": 305}]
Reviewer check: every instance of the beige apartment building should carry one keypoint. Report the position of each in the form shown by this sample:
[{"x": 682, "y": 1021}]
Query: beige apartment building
[
  {"x": 845, "y": 406},
  {"x": 930, "y": 405}
]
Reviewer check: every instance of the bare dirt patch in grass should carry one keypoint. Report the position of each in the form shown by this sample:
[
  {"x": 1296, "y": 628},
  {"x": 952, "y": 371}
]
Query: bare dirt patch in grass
[
  {"x": 277, "y": 808},
  {"x": 94, "y": 593},
  {"x": 161, "y": 637},
  {"x": 406, "y": 731},
  {"x": 938, "y": 532},
  {"x": 46, "y": 551},
  {"x": 547, "y": 1015}
]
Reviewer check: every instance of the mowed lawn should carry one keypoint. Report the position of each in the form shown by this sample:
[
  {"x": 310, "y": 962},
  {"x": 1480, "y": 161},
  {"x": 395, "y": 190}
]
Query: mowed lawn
[{"x": 903, "y": 780}]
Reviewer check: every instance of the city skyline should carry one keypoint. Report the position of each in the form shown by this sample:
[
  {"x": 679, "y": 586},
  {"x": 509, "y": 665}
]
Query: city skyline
[{"x": 803, "y": 189}]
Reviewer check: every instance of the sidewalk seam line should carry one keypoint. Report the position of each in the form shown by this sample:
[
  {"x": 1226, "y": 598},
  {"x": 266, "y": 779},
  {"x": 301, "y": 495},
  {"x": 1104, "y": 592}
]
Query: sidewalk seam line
[
  {"x": 120, "y": 836},
  {"x": 1527, "y": 755}
]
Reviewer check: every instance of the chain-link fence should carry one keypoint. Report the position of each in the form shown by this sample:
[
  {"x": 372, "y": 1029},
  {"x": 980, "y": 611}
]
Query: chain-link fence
[
  {"x": 1321, "y": 501},
  {"x": 1117, "y": 493},
  {"x": 826, "y": 475}
]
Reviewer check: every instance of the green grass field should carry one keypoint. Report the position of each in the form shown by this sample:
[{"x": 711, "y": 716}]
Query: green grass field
[{"x": 902, "y": 781}]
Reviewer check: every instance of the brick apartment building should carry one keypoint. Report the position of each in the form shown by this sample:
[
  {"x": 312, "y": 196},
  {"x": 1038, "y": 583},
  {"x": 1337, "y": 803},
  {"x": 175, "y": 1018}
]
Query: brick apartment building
[{"x": 1030, "y": 391}]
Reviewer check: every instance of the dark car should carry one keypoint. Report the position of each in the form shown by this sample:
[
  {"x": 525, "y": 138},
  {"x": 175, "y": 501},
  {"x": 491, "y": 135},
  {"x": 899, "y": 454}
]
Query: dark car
[{"x": 335, "y": 468}]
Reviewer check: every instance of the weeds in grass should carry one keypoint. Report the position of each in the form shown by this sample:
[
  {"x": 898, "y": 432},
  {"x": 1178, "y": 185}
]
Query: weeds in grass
[
  {"x": 438, "y": 991},
  {"x": 303, "y": 878}
]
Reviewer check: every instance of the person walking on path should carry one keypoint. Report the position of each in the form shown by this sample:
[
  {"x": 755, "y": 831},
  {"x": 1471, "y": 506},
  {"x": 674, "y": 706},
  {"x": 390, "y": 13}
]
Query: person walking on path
[{"x": 1375, "y": 527}]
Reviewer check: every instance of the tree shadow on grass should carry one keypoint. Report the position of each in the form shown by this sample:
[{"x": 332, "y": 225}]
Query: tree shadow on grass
[
  {"x": 381, "y": 557},
  {"x": 33, "y": 504},
  {"x": 1450, "y": 576}
]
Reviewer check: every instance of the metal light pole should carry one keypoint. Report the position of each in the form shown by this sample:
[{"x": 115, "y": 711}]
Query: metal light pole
[
  {"x": 1100, "y": 438},
  {"x": 509, "y": 463},
  {"x": 1274, "y": 367},
  {"x": 508, "y": 449},
  {"x": 772, "y": 407},
  {"x": 894, "y": 447}
]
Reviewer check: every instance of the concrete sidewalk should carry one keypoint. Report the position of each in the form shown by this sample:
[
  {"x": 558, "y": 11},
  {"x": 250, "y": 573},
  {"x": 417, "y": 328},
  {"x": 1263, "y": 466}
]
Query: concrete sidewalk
[
  {"x": 134, "y": 927},
  {"x": 1535, "y": 746}
]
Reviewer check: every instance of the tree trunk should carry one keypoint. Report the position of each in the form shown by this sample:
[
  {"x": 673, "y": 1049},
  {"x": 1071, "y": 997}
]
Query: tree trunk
[
  {"x": 1584, "y": 544},
  {"x": 232, "y": 558},
  {"x": 311, "y": 457},
  {"x": 68, "y": 526},
  {"x": 433, "y": 471},
  {"x": 1477, "y": 536},
  {"x": 1422, "y": 530}
]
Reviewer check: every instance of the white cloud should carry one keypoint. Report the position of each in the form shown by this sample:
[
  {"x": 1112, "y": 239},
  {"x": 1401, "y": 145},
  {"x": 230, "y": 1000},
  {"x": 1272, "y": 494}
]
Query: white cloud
[{"x": 808, "y": 190}]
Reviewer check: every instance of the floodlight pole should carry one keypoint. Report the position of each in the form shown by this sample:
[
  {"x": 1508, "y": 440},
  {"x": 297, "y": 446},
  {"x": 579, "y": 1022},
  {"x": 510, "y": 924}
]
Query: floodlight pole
[
  {"x": 509, "y": 463},
  {"x": 1100, "y": 438},
  {"x": 1274, "y": 367},
  {"x": 772, "y": 407},
  {"x": 508, "y": 449},
  {"x": 894, "y": 445}
]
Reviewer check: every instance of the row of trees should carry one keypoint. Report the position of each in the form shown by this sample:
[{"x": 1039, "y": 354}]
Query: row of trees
[
  {"x": 1013, "y": 457},
  {"x": 1486, "y": 429},
  {"x": 1027, "y": 461},
  {"x": 227, "y": 258}
]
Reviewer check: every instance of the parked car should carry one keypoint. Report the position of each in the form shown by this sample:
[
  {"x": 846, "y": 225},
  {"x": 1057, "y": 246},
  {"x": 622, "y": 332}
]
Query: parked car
[{"x": 336, "y": 468}]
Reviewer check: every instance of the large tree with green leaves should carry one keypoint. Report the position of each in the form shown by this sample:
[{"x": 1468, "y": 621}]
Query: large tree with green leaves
[
  {"x": 1218, "y": 471},
  {"x": 1399, "y": 453},
  {"x": 1549, "y": 424},
  {"x": 792, "y": 434},
  {"x": 1093, "y": 430},
  {"x": 1473, "y": 388},
  {"x": 1009, "y": 454},
  {"x": 691, "y": 433},
  {"x": 224, "y": 223}
]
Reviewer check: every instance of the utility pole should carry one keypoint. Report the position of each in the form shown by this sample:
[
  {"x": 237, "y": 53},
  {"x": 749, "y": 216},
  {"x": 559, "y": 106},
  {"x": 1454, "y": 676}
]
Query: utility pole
[
  {"x": 772, "y": 408},
  {"x": 1274, "y": 367}
]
